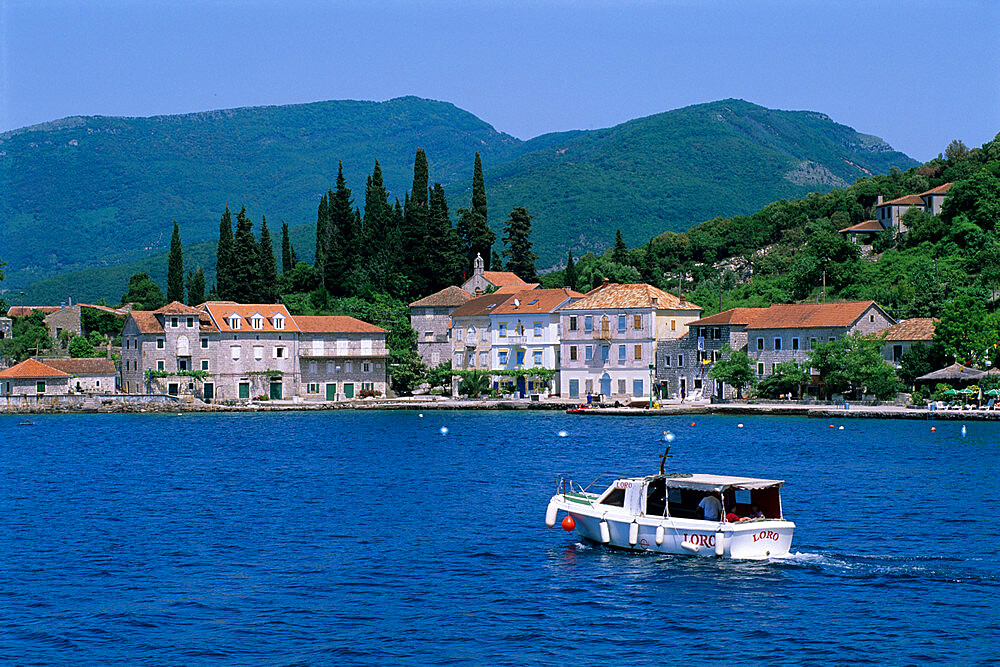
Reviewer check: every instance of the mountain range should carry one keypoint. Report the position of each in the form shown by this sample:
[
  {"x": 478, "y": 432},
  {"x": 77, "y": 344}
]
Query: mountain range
[{"x": 86, "y": 200}]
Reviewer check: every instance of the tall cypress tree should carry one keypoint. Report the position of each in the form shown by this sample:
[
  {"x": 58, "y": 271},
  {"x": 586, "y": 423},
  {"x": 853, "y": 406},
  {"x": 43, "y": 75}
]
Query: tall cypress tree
[
  {"x": 195, "y": 287},
  {"x": 267, "y": 271},
  {"x": 414, "y": 234},
  {"x": 569, "y": 276},
  {"x": 322, "y": 223},
  {"x": 445, "y": 259},
  {"x": 341, "y": 249},
  {"x": 246, "y": 283},
  {"x": 495, "y": 261},
  {"x": 224, "y": 257},
  {"x": 476, "y": 235},
  {"x": 517, "y": 238},
  {"x": 648, "y": 268},
  {"x": 175, "y": 268},
  {"x": 286, "y": 249},
  {"x": 378, "y": 211},
  {"x": 620, "y": 254}
]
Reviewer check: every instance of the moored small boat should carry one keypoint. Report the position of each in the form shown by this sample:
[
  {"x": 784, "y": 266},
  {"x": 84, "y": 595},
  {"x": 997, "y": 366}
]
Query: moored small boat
[{"x": 695, "y": 514}]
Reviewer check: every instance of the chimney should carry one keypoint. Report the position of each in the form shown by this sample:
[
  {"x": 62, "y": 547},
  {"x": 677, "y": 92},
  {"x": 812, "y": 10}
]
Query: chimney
[
  {"x": 683, "y": 300},
  {"x": 656, "y": 302},
  {"x": 878, "y": 200},
  {"x": 605, "y": 282}
]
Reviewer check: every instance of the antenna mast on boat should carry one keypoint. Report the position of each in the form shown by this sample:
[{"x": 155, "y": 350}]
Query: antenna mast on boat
[{"x": 668, "y": 437}]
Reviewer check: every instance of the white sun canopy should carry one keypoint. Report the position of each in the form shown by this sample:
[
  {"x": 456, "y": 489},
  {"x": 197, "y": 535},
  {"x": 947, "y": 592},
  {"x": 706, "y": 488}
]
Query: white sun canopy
[{"x": 719, "y": 482}]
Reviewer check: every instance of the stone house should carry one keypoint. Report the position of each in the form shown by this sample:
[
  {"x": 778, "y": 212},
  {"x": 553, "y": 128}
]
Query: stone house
[
  {"x": 889, "y": 213},
  {"x": 779, "y": 333},
  {"x": 471, "y": 332},
  {"x": 902, "y": 336},
  {"x": 228, "y": 351},
  {"x": 6, "y": 328},
  {"x": 33, "y": 378},
  {"x": 525, "y": 334},
  {"x": 609, "y": 339},
  {"x": 430, "y": 317},
  {"x": 87, "y": 376}
]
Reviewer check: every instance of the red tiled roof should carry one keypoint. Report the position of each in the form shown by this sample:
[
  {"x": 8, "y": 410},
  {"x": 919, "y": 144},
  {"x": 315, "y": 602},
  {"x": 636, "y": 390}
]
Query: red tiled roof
[
  {"x": 22, "y": 311},
  {"x": 866, "y": 226},
  {"x": 146, "y": 321},
  {"x": 939, "y": 190},
  {"x": 500, "y": 278},
  {"x": 807, "y": 315},
  {"x": 481, "y": 305},
  {"x": 83, "y": 366},
  {"x": 31, "y": 368},
  {"x": 915, "y": 328},
  {"x": 510, "y": 289},
  {"x": 176, "y": 308},
  {"x": 904, "y": 201},
  {"x": 221, "y": 310},
  {"x": 536, "y": 301},
  {"x": 629, "y": 295},
  {"x": 449, "y": 296},
  {"x": 731, "y": 316},
  {"x": 334, "y": 324}
]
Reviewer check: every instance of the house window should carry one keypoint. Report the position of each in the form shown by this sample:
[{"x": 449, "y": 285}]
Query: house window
[
  {"x": 312, "y": 388},
  {"x": 637, "y": 351},
  {"x": 621, "y": 386},
  {"x": 520, "y": 357},
  {"x": 235, "y": 352},
  {"x": 795, "y": 343},
  {"x": 717, "y": 333},
  {"x": 588, "y": 323},
  {"x": 777, "y": 343},
  {"x": 173, "y": 322},
  {"x": 897, "y": 353},
  {"x": 258, "y": 352},
  {"x": 204, "y": 343},
  {"x": 572, "y": 323},
  {"x": 367, "y": 386},
  {"x": 760, "y": 368},
  {"x": 312, "y": 366},
  {"x": 503, "y": 330},
  {"x": 160, "y": 364},
  {"x": 190, "y": 322},
  {"x": 503, "y": 357},
  {"x": 621, "y": 353},
  {"x": 484, "y": 333},
  {"x": 572, "y": 352},
  {"x": 588, "y": 385},
  {"x": 204, "y": 364},
  {"x": 366, "y": 366},
  {"x": 458, "y": 334},
  {"x": 760, "y": 343},
  {"x": 279, "y": 323},
  {"x": 538, "y": 329},
  {"x": 621, "y": 323},
  {"x": 697, "y": 383},
  {"x": 637, "y": 388},
  {"x": 536, "y": 357},
  {"x": 715, "y": 355},
  {"x": 680, "y": 360},
  {"x": 234, "y": 322},
  {"x": 812, "y": 343},
  {"x": 428, "y": 335},
  {"x": 482, "y": 360},
  {"x": 605, "y": 352},
  {"x": 871, "y": 318},
  {"x": 666, "y": 360},
  {"x": 589, "y": 352},
  {"x": 39, "y": 387},
  {"x": 279, "y": 353},
  {"x": 97, "y": 383},
  {"x": 637, "y": 321},
  {"x": 160, "y": 344},
  {"x": 458, "y": 360},
  {"x": 257, "y": 322},
  {"x": 673, "y": 325},
  {"x": 347, "y": 366}
]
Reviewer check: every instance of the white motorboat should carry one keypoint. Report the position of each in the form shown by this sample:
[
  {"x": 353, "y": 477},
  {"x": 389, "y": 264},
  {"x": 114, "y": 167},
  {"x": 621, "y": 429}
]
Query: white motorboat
[{"x": 666, "y": 513}]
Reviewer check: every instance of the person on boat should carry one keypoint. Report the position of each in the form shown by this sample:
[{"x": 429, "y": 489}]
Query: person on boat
[
  {"x": 755, "y": 512},
  {"x": 733, "y": 517},
  {"x": 711, "y": 508}
]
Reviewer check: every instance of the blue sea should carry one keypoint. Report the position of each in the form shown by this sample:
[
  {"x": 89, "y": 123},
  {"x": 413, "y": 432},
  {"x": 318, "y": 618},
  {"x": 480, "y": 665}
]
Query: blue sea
[{"x": 374, "y": 538}]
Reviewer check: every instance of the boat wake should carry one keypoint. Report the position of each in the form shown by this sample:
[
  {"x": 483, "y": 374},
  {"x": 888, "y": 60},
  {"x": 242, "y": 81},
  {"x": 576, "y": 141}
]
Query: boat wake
[{"x": 943, "y": 569}]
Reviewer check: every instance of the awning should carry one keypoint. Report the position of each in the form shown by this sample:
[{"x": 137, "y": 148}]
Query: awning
[{"x": 719, "y": 482}]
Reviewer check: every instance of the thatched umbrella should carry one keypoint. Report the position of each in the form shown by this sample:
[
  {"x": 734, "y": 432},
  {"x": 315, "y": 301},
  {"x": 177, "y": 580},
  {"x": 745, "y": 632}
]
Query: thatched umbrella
[{"x": 953, "y": 373}]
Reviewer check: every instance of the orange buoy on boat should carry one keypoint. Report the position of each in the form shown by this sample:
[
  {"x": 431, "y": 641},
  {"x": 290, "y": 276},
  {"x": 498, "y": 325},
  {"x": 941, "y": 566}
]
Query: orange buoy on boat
[{"x": 568, "y": 523}]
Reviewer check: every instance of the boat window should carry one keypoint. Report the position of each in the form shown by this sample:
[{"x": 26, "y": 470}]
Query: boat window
[
  {"x": 684, "y": 503},
  {"x": 743, "y": 496},
  {"x": 656, "y": 498},
  {"x": 615, "y": 498}
]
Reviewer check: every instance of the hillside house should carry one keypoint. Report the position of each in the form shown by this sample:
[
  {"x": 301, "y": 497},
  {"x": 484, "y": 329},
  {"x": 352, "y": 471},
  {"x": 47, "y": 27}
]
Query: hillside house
[
  {"x": 430, "y": 318},
  {"x": 901, "y": 337},
  {"x": 33, "y": 378}
]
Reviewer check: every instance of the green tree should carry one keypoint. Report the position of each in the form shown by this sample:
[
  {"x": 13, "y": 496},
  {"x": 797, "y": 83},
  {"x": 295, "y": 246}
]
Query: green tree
[
  {"x": 267, "y": 268},
  {"x": 474, "y": 383},
  {"x": 966, "y": 331},
  {"x": 322, "y": 233},
  {"x": 245, "y": 271},
  {"x": 517, "y": 238},
  {"x": 444, "y": 259},
  {"x": 301, "y": 278},
  {"x": 414, "y": 232},
  {"x": 569, "y": 276},
  {"x": 734, "y": 368},
  {"x": 30, "y": 336},
  {"x": 854, "y": 365},
  {"x": 79, "y": 347},
  {"x": 495, "y": 261},
  {"x": 478, "y": 236},
  {"x": 978, "y": 198},
  {"x": 407, "y": 371},
  {"x": 921, "y": 360},
  {"x": 175, "y": 268},
  {"x": 196, "y": 287},
  {"x": 788, "y": 378},
  {"x": 440, "y": 376},
  {"x": 224, "y": 257},
  {"x": 287, "y": 252},
  {"x": 620, "y": 253},
  {"x": 341, "y": 245},
  {"x": 143, "y": 293}
]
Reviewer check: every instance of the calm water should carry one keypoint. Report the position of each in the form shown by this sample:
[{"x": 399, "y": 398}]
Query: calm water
[{"x": 373, "y": 538}]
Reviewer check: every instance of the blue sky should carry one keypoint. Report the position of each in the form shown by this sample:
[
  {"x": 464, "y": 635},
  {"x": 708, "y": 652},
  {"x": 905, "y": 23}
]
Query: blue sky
[{"x": 916, "y": 73}]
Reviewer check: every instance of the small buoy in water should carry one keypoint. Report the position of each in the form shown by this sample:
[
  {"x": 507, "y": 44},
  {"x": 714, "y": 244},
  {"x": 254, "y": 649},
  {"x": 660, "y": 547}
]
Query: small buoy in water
[
  {"x": 568, "y": 524},
  {"x": 739, "y": 426},
  {"x": 963, "y": 430},
  {"x": 692, "y": 423},
  {"x": 668, "y": 436},
  {"x": 444, "y": 430},
  {"x": 562, "y": 434},
  {"x": 178, "y": 414},
  {"x": 840, "y": 428},
  {"x": 421, "y": 415},
  {"x": 933, "y": 428},
  {"x": 831, "y": 425}
]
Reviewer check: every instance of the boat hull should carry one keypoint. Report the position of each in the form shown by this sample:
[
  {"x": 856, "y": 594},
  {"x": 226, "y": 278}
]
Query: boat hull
[{"x": 752, "y": 539}]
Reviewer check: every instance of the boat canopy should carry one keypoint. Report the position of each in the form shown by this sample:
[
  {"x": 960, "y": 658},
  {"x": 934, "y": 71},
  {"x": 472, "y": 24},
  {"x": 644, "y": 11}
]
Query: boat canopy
[{"x": 716, "y": 482}]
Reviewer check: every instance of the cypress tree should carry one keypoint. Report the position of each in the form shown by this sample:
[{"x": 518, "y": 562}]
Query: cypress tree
[
  {"x": 648, "y": 268},
  {"x": 569, "y": 277},
  {"x": 267, "y": 269},
  {"x": 322, "y": 222},
  {"x": 195, "y": 287},
  {"x": 175, "y": 268},
  {"x": 414, "y": 235},
  {"x": 476, "y": 235},
  {"x": 495, "y": 261},
  {"x": 295, "y": 260},
  {"x": 620, "y": 254},
  {"x": 517, "y": 238},
  {"x": 245, "y": 276},
  {"x": 286, "y": 249},
  {"x": 341, "y": 250},
  {"x": 223, "y": 257},
  {"x": 445, "y": 259},
  {"x": 478, "y": 188},
  {"x": 378, "y": 211}
]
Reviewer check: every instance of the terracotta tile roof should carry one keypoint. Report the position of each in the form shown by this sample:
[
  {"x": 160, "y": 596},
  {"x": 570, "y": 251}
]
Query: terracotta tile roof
[
  {"x": 176, "y": 308},
  {"x": 481, "y": 306},
  {"x": 866, "y": 226},
  {"x": 31, "y": 368},
  {"x": 146, "y": 321},
  {"x": 939, "y": 190},
  {"x": 916, "y": 328},
  {"x": 731, "y": 316},
  {"x": 449, "y": 296},
  {"x": 334, "y": 324},
  {"x": 629, "y": 295},
  {"x": 83, "y": 366},
  {"x": 221, "y": 310},
  {"x": 510, "y": 289},
  {"x": 808, "y": 315},
  {"x": 903, "y": 201},
  {"x": 536, "y": 301},
  {"x": 501, "y": 278},
  {"x": 114, "y": 311},
  {"x": 22, "y": 311}
]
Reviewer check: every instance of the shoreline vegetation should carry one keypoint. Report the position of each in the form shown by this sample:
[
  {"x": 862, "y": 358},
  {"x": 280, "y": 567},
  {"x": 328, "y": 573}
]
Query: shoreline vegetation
[{"x": 97, "y": 405}]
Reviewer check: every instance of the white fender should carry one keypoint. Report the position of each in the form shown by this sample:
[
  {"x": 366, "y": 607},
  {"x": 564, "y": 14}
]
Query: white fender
[
  {"x": 659, "y": 535},
  {"x": 633, "y": 533},
  {"x": 605, "y": 532},
  {"x": 690, "y": 546},
  {"x": 550, "y": 514},
  {"x": 720, "y": 543}
]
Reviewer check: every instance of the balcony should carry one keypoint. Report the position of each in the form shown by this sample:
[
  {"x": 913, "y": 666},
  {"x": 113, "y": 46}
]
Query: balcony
[
  {"x": 514, "y": 340},
  {"x": 602, "y": 334}
]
